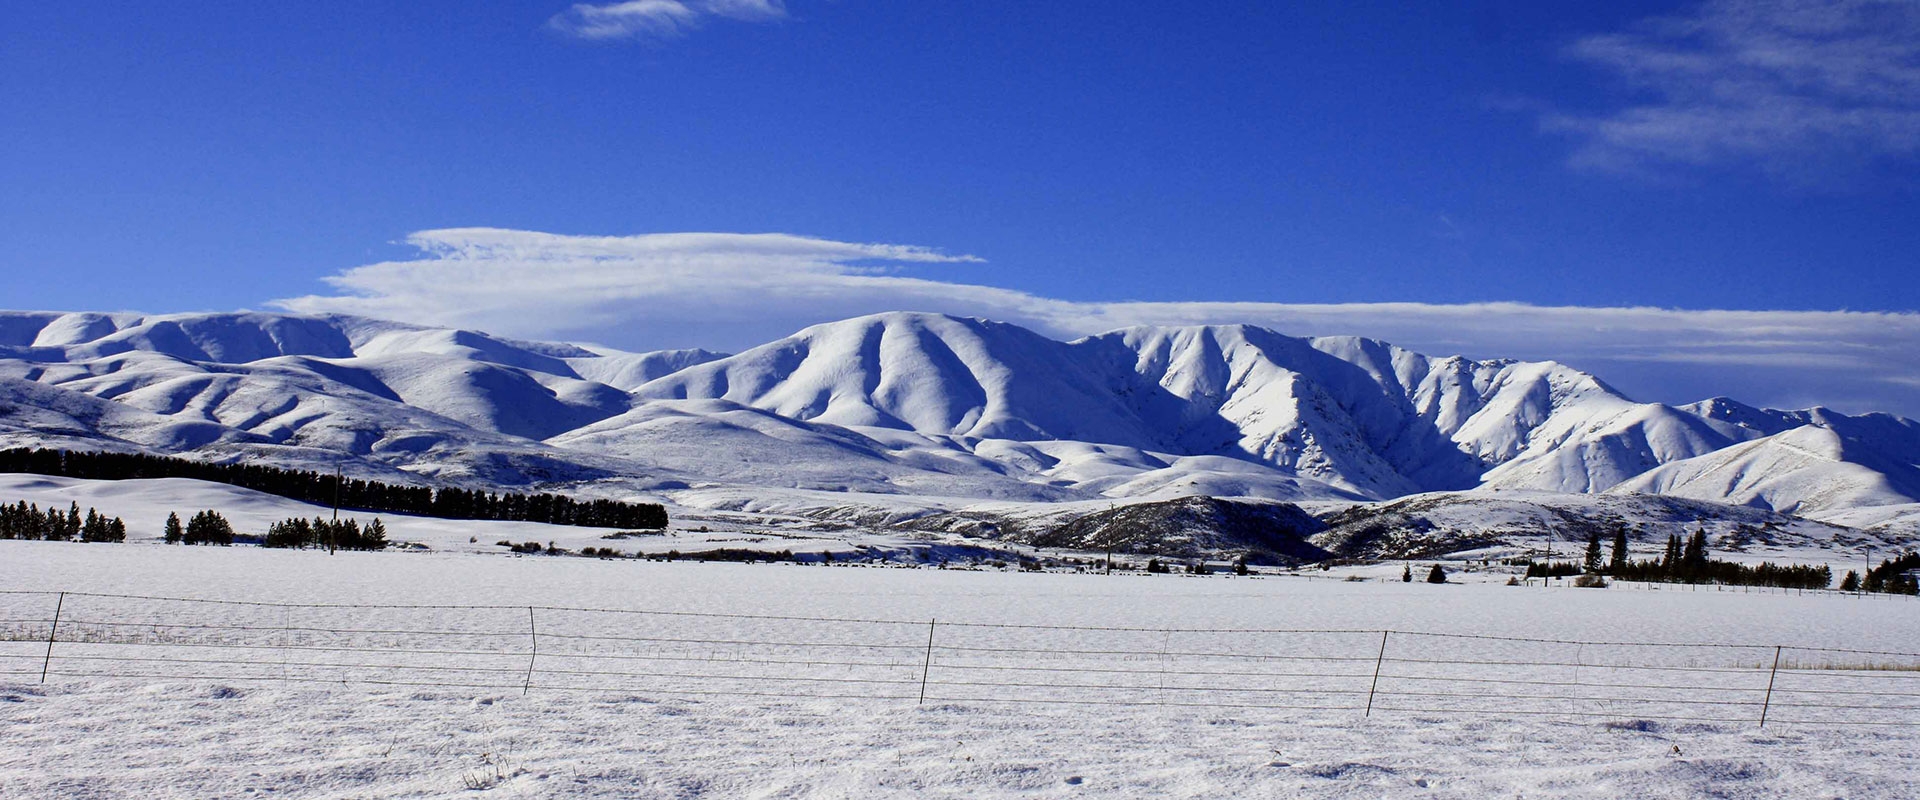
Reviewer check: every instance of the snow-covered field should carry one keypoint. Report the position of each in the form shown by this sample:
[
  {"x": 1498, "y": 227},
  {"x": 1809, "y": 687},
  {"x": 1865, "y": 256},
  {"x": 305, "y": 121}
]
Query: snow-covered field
[{"x": 160, "y": 737}]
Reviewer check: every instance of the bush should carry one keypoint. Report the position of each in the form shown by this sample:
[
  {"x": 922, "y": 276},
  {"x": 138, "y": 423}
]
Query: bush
[
  {"x": 1590, "y": 582},
  {"x": 1436, "y": 575}
]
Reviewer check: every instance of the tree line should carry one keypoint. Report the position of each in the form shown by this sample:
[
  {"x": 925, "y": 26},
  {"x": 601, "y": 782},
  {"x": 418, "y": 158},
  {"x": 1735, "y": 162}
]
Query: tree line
[
  {"x": 205, "y": 528},
  {"x": 325, "y": 489},
  {"x": 1893, "y": 576},
  {"x": 1684, "y": 561},
  {"x": 326, "y": 534},
  {"x": 23, "y": 520}
]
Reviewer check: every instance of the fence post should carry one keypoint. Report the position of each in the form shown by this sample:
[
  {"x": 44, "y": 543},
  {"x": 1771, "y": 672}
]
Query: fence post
[
  {"x": 533, "y": 653},
  {"x": 51, "y": 632},
  {"x": 1376, "y": 673},
  {"x": 927, "y": 665},
  {"x": 1768, "y": 701}
]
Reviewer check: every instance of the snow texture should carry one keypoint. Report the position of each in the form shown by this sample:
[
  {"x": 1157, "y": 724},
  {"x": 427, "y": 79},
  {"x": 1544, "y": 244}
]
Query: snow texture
[
  {"x": 918, "y": 405},
  {"x": 199, "y": 738}
]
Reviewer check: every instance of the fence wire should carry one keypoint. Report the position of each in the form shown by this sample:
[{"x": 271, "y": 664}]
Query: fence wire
[{"x": 53, "y": 635}]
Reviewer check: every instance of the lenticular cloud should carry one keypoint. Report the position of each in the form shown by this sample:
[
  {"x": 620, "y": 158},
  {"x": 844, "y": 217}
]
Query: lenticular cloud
[{"x": 731, "y": 291}]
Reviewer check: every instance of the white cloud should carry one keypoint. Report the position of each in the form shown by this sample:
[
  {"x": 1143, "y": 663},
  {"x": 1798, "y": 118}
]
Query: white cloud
[
  {"x": 643, "y": 19},
  {"x": 1794, "y": 86},
  {"x": 731, "y": 291}
]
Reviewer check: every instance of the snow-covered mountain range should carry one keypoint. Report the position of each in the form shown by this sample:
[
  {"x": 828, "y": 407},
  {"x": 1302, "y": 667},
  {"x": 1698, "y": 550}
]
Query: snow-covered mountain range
[{"x": 921, "y": 404}]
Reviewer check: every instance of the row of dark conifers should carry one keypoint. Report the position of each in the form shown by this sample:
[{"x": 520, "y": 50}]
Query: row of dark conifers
[
  {"x": 25, "y": 520},
  {"x": 354, "y": 493}
]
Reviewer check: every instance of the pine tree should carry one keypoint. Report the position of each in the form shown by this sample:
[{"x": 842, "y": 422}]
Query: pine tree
[
  {"x": 1851, "y": 583},
  {"x": 1437, "y": 575},
  {"x": 1619, "y": 561},
  {"x": 1406, "y": 574},
  {"x": 174, "y": 533},
  {"x": 1592, "y": 563},
  {"x": 208, "y": 527},
  {"x": 1693, "y": 561}
]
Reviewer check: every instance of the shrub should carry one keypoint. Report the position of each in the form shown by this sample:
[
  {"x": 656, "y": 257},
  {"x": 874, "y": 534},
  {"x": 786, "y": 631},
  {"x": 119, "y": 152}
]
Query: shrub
[
  {"x": 1590, "y": 582},
  {"x": 1436, "y": 575}
]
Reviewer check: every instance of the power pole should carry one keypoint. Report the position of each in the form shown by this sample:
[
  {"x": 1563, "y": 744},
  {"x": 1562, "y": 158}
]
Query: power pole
[{"x": 331, "y": 545}]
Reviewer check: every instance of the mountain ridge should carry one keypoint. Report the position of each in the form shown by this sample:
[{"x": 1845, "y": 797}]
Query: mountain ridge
[{"x": 908, "y": 403}]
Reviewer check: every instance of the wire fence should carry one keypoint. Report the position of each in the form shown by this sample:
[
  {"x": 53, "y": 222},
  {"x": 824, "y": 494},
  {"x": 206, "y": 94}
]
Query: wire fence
[{"x": 55, "y": 635}]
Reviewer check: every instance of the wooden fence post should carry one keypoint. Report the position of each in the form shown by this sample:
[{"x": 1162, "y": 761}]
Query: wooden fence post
[
  {"x": 927, "y": 665},
  {"x": 533, "y": 654},
  {"x": 51, "y": 632},
  {"x": 1768, "y": 701},
  {"x": 1376, "y": 673}
]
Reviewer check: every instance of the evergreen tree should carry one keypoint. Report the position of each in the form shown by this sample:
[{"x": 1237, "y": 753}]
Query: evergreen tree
[
  {"x": 1436, "y": 575},
  {"x": 1693, "y": 561},
  {"x": 208, "y": 527},
  {"x": 1592, "y": 562},
  {"x": 1851, "y": 583},
  {"x": 174, "y": 533},
  {"x": 1406, "y": 574},
  {"x": 375, "y": 536},
  {"x": 1619, "y": 562}
]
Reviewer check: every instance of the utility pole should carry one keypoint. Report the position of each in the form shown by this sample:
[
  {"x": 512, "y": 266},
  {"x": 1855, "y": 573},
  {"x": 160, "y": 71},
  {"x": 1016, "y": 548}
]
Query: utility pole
[
  {"x": 1109, "y": 541},
  {"x": 331, "y": 544},
  {"x": 1546, "y": 571}
]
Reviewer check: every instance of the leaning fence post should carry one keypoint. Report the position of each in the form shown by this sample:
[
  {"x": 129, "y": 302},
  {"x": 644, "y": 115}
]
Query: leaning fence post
[
  {"x": 1376, "y": 673},
  {"x": 51, "y": 632},
  {"x": 533, "y": 653},
  {"x": 1768, "y": 700},
  {"x": 927, "y": 665}
]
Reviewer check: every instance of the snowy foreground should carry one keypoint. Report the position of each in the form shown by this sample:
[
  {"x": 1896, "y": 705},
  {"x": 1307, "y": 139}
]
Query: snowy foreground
[{"x": 94, "y": 737}]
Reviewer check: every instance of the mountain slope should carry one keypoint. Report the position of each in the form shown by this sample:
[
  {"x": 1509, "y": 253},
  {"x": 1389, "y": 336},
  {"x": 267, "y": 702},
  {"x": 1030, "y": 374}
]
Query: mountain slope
[
  {"x": 1810, "y": 471},
  {"x": 916, "y": 404}
]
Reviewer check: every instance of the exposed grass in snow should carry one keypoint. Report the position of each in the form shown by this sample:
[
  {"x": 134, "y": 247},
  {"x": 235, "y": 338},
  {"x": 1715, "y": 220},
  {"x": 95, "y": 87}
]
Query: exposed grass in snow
[{"x": 192, "y": 739}]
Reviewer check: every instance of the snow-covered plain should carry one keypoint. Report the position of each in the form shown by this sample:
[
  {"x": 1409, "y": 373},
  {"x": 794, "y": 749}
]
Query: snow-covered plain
[{"x": 91, "y": 737}]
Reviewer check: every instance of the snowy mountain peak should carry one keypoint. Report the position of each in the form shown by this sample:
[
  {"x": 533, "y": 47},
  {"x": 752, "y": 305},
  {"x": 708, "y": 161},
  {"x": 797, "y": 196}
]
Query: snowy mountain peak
[{"x": 907, "y": 402}]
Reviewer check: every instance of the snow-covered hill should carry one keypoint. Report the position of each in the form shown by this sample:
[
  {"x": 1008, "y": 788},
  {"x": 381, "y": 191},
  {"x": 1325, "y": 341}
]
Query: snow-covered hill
[{"x": 922, "y": 405}]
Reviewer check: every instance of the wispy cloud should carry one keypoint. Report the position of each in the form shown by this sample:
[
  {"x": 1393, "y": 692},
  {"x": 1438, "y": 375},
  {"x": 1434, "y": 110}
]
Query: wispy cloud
[
  {"x": 1772, "y": 83},
  {"x": 731, "y": 291},
  {"x": 658, "y": 19}
]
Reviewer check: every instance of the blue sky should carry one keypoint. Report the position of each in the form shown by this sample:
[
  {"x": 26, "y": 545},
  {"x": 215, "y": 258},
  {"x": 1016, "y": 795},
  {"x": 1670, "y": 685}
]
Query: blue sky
[{"x": 1755, "y": 156}]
